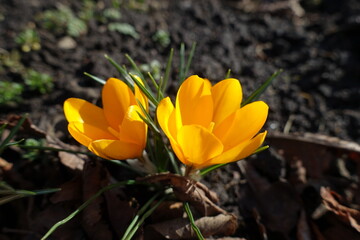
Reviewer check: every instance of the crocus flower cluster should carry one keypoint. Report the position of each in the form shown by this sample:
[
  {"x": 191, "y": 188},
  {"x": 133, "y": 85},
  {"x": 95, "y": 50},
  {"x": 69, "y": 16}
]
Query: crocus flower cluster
[{"x": 207, "y": 125}]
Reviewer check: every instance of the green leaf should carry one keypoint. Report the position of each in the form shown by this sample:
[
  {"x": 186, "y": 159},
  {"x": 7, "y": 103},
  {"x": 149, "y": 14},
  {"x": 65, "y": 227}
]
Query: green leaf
[
  {"x": 85, "y": 204},
  {"x": 97, "y": 79},
  {"x": 124, "y": 28},
  {"x": 256, "y": 94},
  {"x": 13, "y": 131},
  {"x": 146, "y": 91},
  {"x": 164, "y": 83},
  {"x": 127, "y": 78},
  {"x": 192, "y": 221}
]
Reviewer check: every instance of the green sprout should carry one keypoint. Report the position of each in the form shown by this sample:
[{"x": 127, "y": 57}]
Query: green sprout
[
  {"x": 124, "y": 28},
  {"x": 11, "y": 61},
  {"x": 162, "y": 37},
  {"x": 33, "y": 152},
  {"x": 63, "y": 20},
  {"x": 154, "y": 67},
  {"x": 38, "y": 81},
  {"x": 112, "y": 14},
  {"x": 28, "y": 40},
  {"x": 10, "y": 92}
]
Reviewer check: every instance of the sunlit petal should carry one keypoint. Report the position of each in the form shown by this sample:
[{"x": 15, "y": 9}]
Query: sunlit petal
[
  {"x": 227, "y": 96},
  {"x": 116, "y": 98},
  {"x": 114, "y": 149},
  {"x": 133, "y": 128},
  {"x": 240, "y": 151},
  {"x": 90, "y": 131},
  {"x": 194, "y": 104},
  {"x": 79, "y": 110},
  {"x": 242, "y": 124},
  {"x": 198, "y": 145},
  {"x": 163, "y": 113}
]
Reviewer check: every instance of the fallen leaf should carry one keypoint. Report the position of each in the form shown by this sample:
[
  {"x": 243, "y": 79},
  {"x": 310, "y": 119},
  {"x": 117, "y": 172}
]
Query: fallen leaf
[
  {"x": 95, "y": 177},
  {"x": 278, "y": 202},
  {"x": 180, "y": 228},
  {"x": 71, "y": 160},
  {"x": 303, "y": 231},
  {"x": 348, "y": 215},
  {"x": 320, "y": 150},
  {"x": 5, "y": 165}
]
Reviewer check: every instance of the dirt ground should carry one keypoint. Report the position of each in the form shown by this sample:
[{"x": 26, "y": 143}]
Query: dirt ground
[{"x": 305, "y": 187}]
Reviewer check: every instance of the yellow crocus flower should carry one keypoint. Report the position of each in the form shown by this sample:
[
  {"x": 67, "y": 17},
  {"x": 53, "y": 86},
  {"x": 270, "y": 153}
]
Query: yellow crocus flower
[
  {"x": 115, "y": 131},
  {"x": 207, "y": 126}
]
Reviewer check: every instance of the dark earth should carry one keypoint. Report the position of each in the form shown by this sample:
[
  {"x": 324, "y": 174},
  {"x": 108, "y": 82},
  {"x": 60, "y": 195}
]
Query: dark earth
[{"x": 285, "y": 192}]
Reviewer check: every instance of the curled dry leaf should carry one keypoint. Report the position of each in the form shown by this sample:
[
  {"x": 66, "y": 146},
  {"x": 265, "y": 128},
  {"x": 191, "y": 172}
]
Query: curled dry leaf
[
  {"x": 188, "y": 190},
  {"x": 180, "y": 228},
  {"x": 348, "y": 215}
]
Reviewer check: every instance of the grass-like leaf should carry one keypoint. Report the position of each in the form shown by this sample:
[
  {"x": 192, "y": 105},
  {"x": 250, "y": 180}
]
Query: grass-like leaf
[
  {"x": 189, "y": 60},
  {"x": 146, "y": 91},
  {"x": 12, "y": 133},
  {"x": 85, "y": 204},
  {"x": 192, "y": 221},
  {"x": 136, "y": 224},
  {"x": 256, "y": 94},
  {"x": 95, "y": 78},
  {"x": 127, "y": 78},
  {"x": 165, "y": 80}
]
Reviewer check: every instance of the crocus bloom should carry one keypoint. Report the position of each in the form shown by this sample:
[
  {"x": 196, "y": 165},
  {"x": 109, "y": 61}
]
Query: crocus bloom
[
  {"x": 115, "y": 131},
  {"x": 207, "y": 126}
]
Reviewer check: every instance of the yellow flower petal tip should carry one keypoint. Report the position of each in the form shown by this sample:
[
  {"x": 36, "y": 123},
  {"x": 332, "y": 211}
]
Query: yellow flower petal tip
[
  {"x": 208, "y": 126},
  {"x": 114, "y": 131}
]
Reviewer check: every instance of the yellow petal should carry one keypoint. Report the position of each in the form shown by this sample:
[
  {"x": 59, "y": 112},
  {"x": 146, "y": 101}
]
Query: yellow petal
[
  {"x": 198, "y": 145},
  {"x": 240, "y": 151},
  {"x": 133, "y": 128},
  {"x": 116, "y": 98},
  {"x": 227, "y": 96},
  {"x": 114, "y": 149},
  {"x": 194, "y": 104},
  {"x": 242, "y": 125},
  {"x": 79, "y": 110},
  {"x": 139, "y": 95},
  {"x": 85, "y": 133},
  {"x": 165, "y": 114}
]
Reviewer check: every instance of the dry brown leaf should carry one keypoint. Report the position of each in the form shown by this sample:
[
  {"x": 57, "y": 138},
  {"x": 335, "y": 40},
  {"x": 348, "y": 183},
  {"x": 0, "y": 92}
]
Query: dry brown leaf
[
  {"x": 70, "y": 191},
  {"x": 168, "y": 210},
  {"x": 315, "y": 151},
  {"x": 71, "y": 160},
  {"x": 303, "y": 231},
  {"x": 27, "y": 128},
  {"x": 180, "y": 228},
  {"x": 278, "y": 203},
  {"x": 95, "y": 177},
  {"x": 120, "y": 212},
  {"x": 5, "y": 165},
  {"x": 188, "y": 190},
  {"x": 348, "y": 215}
]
